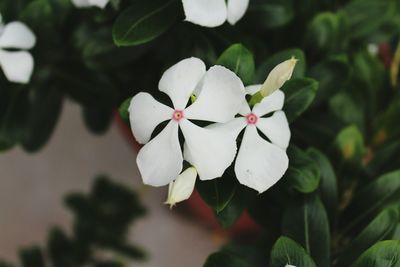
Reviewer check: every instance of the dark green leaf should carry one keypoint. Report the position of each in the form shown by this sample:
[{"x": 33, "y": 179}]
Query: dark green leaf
[
  {"x": 286, "y": 251},
  {"x": 350, "y": 145},
  {"x": 218, "y": 192},
  {"x": 382, "y": 254},
  {"x": 328, "y": 189},
  {"x": 123, "y": 110},
  {"x": 332, "y": 75},
  {"x": 372, "y": 199},
  {"x": 303, "y": 174},
  {"x": 271, "y": 14},
  {"x": 305, "y": 221},
  {"x": 223, "y": 259},
  {"x": 32, "y": 257},
  {"x": 381, "y": 228},
  {"x": 240, "y": 60},
  {"x": 97, "y": 118},
  {"x": 299, "y": 94},
  {"x": 144, "y": 21}
]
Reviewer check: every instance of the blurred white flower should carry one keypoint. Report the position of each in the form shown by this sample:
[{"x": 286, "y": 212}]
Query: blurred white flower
[
  {"x": 89, "y": 3},
  {"x": 260, "y": 162},
  {"x": 17, "y": 66},
  {"x": 213, "y": 13},
  {"x": 287, "y": 265},
  {"x": 220, "y": 98},
  {"x": 182, "y": 188}
]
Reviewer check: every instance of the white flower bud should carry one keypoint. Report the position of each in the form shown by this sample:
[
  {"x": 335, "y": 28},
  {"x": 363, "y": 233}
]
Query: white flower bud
[
  {"x": 182, "y": 188},
  {"x": 278, "y": 76}
]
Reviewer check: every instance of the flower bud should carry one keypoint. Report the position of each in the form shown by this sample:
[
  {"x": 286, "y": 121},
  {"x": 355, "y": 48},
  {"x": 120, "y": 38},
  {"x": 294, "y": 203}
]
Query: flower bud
[
  {"x": 278, "y": 76},
  {"x": 182, "y": 188}
]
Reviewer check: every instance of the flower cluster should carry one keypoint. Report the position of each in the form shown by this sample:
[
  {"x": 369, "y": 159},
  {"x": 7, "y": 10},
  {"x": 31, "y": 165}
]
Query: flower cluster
[
  {"x": 16, "y": 63},
  {"x": 220, "y": 99}
]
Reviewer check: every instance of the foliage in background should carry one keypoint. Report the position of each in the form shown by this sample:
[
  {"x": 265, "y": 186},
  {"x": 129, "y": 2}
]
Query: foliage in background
[
  {"x": 101, "y": 223},
  {"x": 338, "y": 204}
]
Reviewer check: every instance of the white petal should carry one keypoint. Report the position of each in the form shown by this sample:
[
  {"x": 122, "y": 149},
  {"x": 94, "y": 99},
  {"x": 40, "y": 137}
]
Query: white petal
[
  {"x": 207, "y": 13},
  {"x": 208, "y": 150},
  {"x": 276, "y": 128},
  {"x": 259, "y": 164},
  {"x": 81, "y": 3},
  {"x": 252, "y": 89},
  {"x": 270, "y": 104},
  {"x": 231, "y": 128},
  {"x": 145, "y": 113},
  {"x": 160, "y": 160},
  {"x": 221, "y": 96},
  {"x": 17, "y": 66},
  {"x": 182, "y": 188},
  {"x": 180, "y": 80},
  {"x": 278, "y": 76},
  {"x": 17, "y": 35},
  {"x": 99, "y": 3},
  {"x": 236, "y": 10}
]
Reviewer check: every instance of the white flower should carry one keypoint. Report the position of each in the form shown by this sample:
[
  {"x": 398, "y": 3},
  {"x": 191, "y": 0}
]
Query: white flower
[
  {"x": 287, "y": 265},
  {"x": 213, "y": 13},
  {"x": 260, "y": 163},
  {"x": 182, "y": 188},
  {"x": 17, "y": 66},
  {"x": 220, "y": 98},
  {"x": 89, "y": 3}
]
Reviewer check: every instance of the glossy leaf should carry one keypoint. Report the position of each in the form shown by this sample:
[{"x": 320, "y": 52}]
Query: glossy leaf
[
  {"x": 144, "y": 21},
  {"x": 240, "y": 60},
  {"x": 382, "y": 254},
  {"x": 271, "y": 14},
  {"x": 306, "y": 222},
  {"x": 350, "y": 145},
  {"x": 381, "y": 228},
  {"x": 288, "y": 252},
  {"x": 299, "y": 94}
]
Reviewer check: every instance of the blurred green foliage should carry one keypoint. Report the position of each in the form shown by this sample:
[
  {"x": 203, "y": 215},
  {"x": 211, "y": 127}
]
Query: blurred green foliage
[{"x": 340, "y": 198}]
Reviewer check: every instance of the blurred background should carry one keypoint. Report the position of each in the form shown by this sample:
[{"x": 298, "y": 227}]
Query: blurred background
[{"x": 33, "y": 186}]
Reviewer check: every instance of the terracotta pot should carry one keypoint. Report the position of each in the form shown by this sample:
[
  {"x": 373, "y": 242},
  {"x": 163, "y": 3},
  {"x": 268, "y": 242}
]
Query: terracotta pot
[{"x": 195, "y": 206}]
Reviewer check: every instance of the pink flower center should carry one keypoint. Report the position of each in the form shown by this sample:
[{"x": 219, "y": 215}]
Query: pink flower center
[
  {"x": 251, "y": 118},
  {"x": 177, "y": 115}
]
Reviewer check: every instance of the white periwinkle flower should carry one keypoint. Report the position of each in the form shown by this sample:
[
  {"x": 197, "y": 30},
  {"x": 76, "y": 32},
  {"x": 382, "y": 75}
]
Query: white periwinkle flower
[
  {"x": 260, "y": 163},
  {"x": 213, "y": 13},
  {"x": 89, "y": 3},
  {"x": 221, "y": 97},
  {"x": 182, "y": 188},
  {"x": 17, "y": 66}
]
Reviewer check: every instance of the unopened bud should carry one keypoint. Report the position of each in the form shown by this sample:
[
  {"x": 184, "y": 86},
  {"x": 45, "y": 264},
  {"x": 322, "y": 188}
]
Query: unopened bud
[
  {"x": 182, "y": 188},
  {"x": 278, "y": 76}
]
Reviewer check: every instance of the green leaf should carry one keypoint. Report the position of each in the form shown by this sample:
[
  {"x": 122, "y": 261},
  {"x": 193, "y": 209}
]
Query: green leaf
[
  {"x": 32, "y": 257},
  {"x": 305, "y": 221},
  {"x": 123, "y": 110},
  {"x": 328, "y": 189},
  {"x": 365, "y": 16},
  {"x": 381, "y": 228},
  {"x": 326, "y": 33},
  {"x": 218, "y": 192},
  {"x": 303, "y": 174},
  {"x": 144, "y": 21},
  {"x": 299, "y": 94},
  {"x": 373, "y": 198},
  {"x": 43, "y": 116},
  {"x": 286, "y": 251},
  {"x": 265, "y": 68},
  {"x": 382, "y": 254},
  {"x": 270, "y": 14},
  {"x": 223, "y": 259},
  {"x": 235, "y": 207},
  {"x": 350, "y": 145},
  {"x": 97, "y": 118},
  {"x": 240, "y": 60},
  {"x": 332, "y": 75}
]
